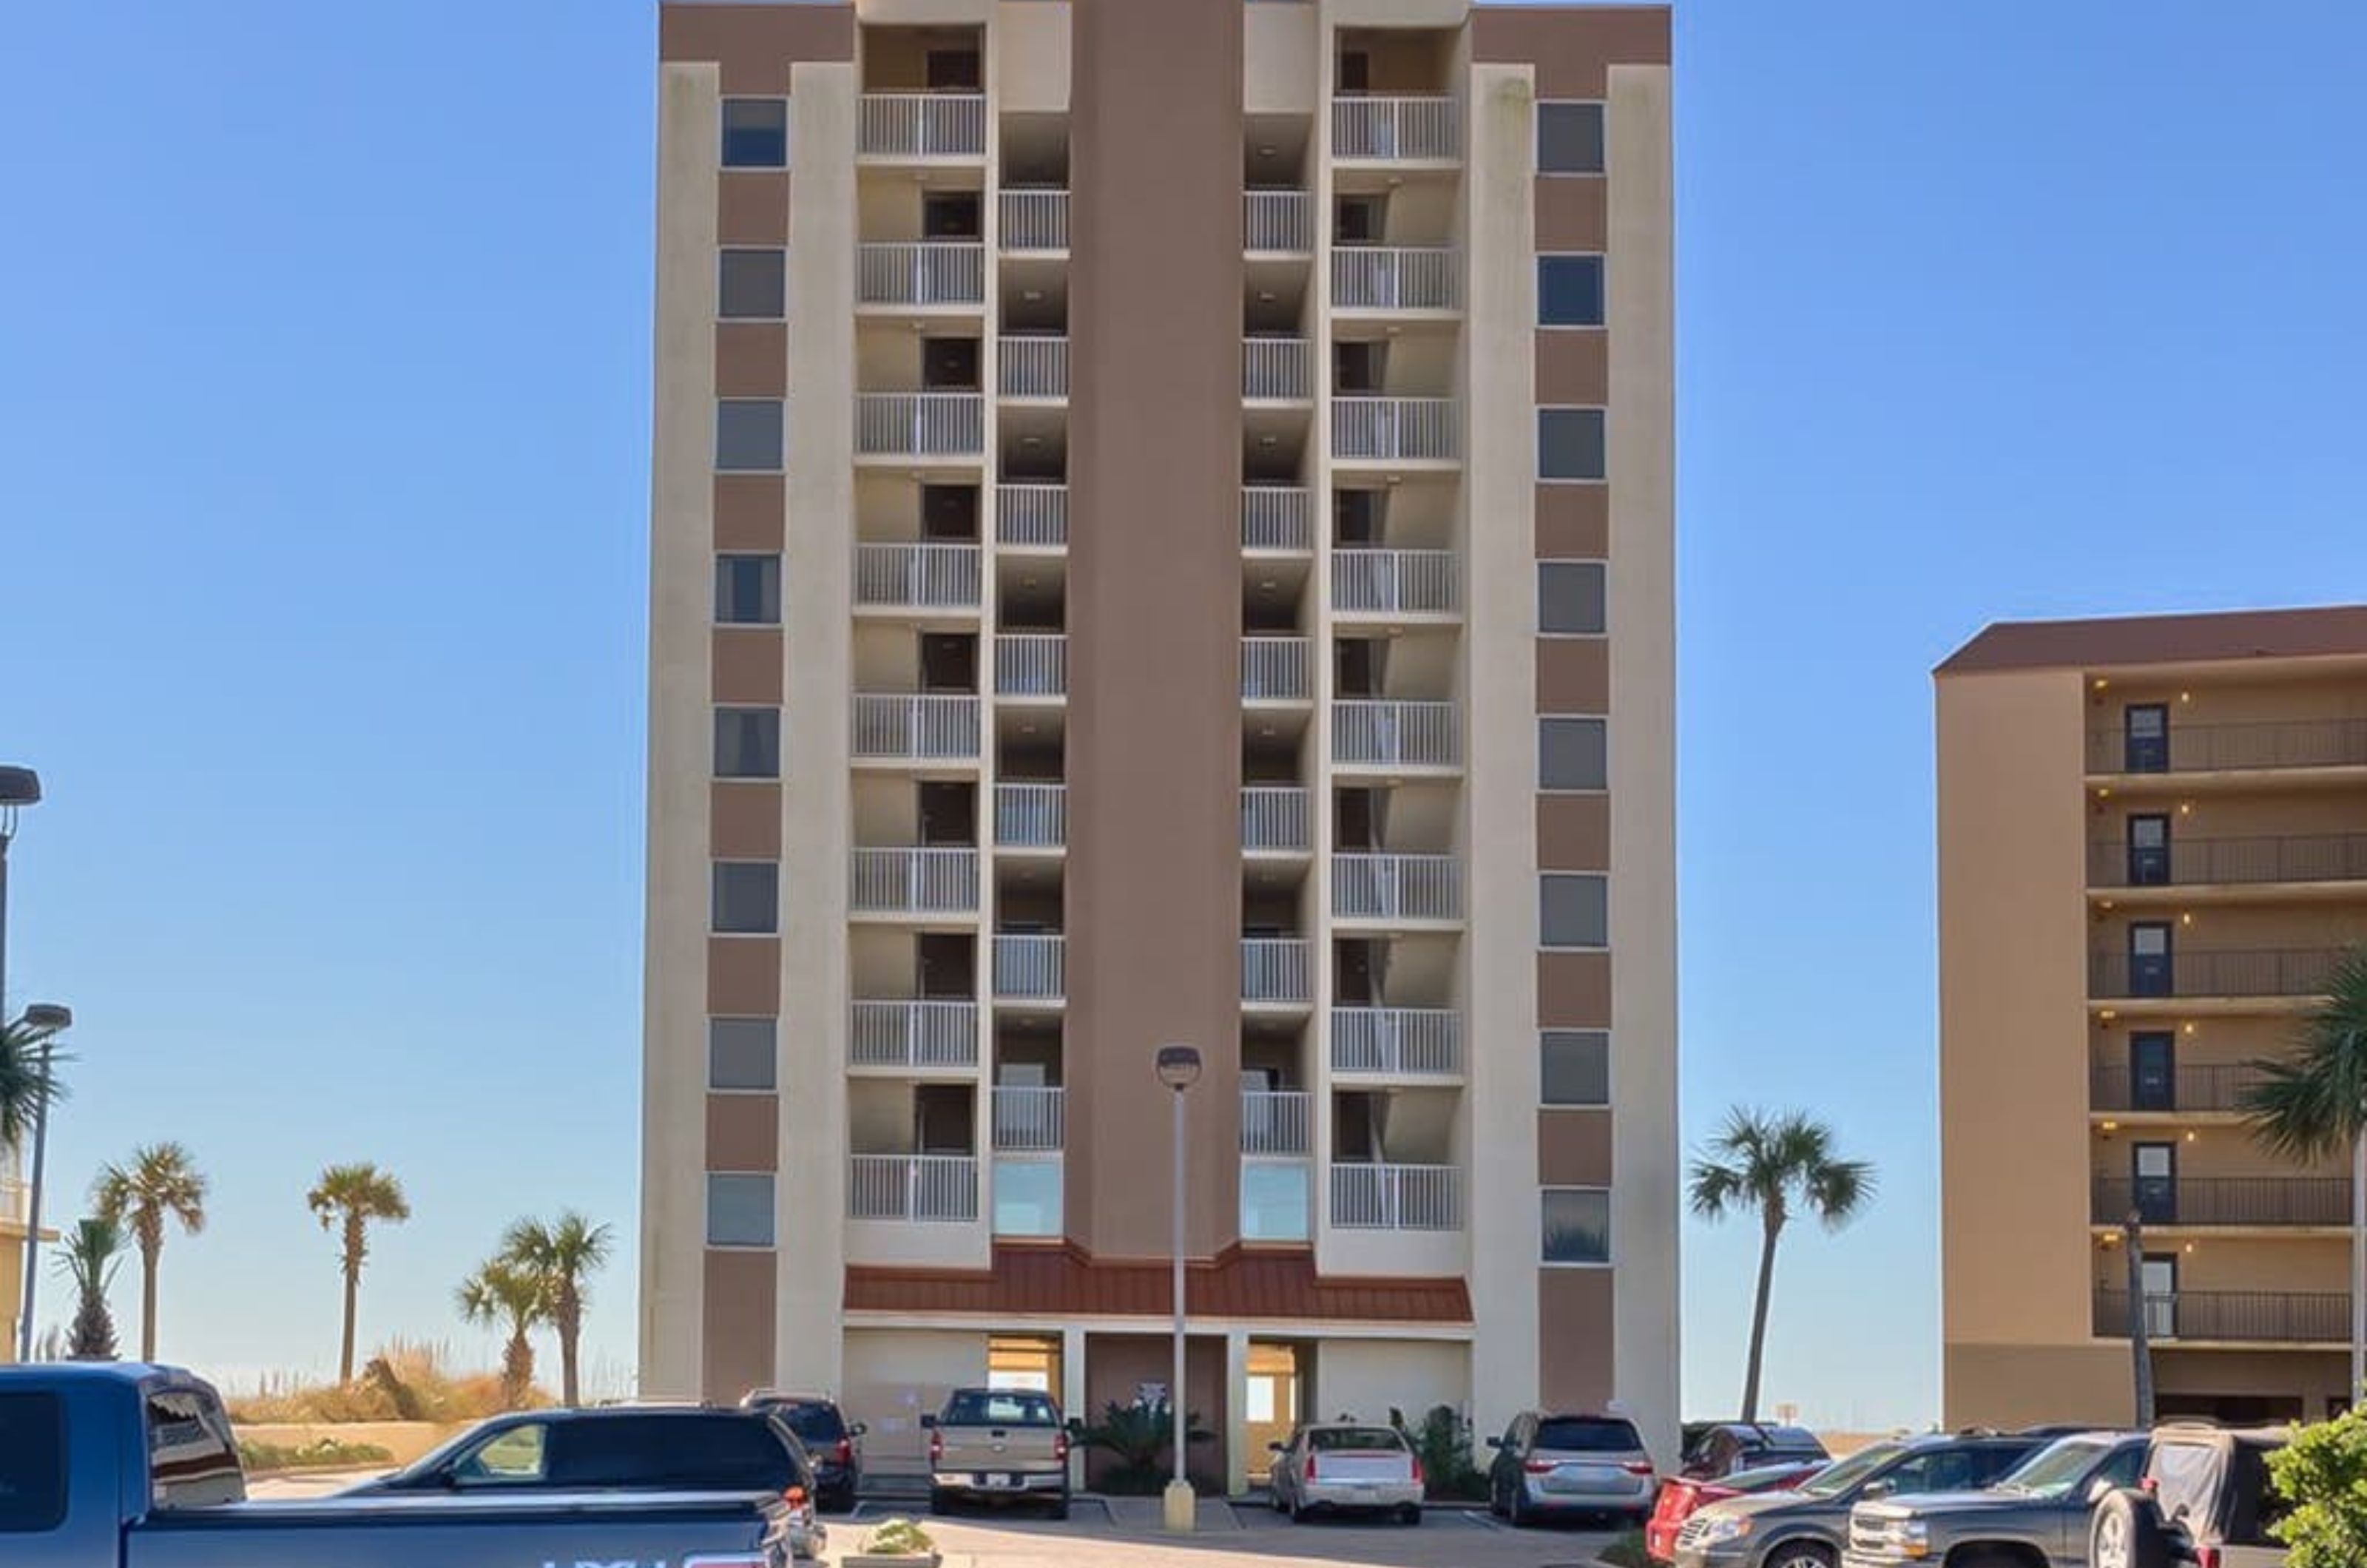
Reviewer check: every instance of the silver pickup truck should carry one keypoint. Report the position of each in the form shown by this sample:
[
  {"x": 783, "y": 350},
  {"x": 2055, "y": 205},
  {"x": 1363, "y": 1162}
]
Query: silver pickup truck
[
  {"x": 2034, "y": 1514},
  {"x": 998, "y": 1445}
]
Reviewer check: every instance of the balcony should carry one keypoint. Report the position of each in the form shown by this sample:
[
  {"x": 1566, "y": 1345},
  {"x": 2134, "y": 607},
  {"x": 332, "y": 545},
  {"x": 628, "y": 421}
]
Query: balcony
[
  {"x": 1391, "y": 430},
  {"x": 1277, "y": 223},
  {"x": 931, "y": 1188},
  {"x": 2212, "y": 1086},
  {"x": 1378, "y": 733},
  {"x": 913, "y": 1035},
  {"x": 1031, "y": 665},
  {"x": 2263, "y": 1317},
  {"x": 2224, "y": 973},
  {"x": 1395, "y": 277},
  {"x": 1274, "y": 971},
  {"x": 1397, "y": 1041},
  {"x": 920, "y": 272},
  {"x": 1397, "y": 1197},
  {"x": 1031, "y": 516},
  {"x": 1394, "y": 583},
  {"x": 1034, "y": 367},
  {"x": 920, "y": 424},
  {"x": 913, "y": 882},
  {"x": 1277, "y": 1121},
  {"x": 2271, "y": 1200},
  {"x": 915, "y": 728},
  {"x": 1029, "y": 1120},
  {"x": 1391, "y": 888},
  {"x": 1274, "y": 517},
  {"x": 1030, "y": 967},
  {"x": 2220, "y": 862},
  {"x": 1277, "y": 369},
  {"x": 916, "y": 577},
  {"x": 1369, "y": 129},
  {"x": 2232, "y": 748},
  {"x": 15, "y": 1200},
  {"x": 1277, "y": 669},
  {"x": 922, "y": 126},
  {"x": 1033, "y": 220},
  {"x": 1031, "y": 816},
  {"x": 1276, "y": 820}
]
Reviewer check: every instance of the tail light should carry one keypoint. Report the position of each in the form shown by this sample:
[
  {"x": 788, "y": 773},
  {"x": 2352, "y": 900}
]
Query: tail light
[
  {"x": 1637, "y": 1467},
  {"x": 936, "y": 1447},
  {"x": 1061, "y": 1447},
  {"x": 795, "y": 1497},
  {"x": 846, "y": 1450},
  {"x": 2207, "y": 1557},
  {"x": 1540, "y": 1466},
  {"x": 1417, "y": 1469},
  {"x": 1310, "y": 1467}
]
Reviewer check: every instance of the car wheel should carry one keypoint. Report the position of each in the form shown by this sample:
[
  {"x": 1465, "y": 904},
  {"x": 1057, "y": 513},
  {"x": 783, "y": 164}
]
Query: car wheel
[
  {"x": 2128, "y": 1533},
  {"x": 1517, "y": 1510},
  {"x": 1297, "y": 1512},
  {"x": 1060, "y": 1507},
  {"x": 941, "y": 1502},
  {"x": 1799, "y": 1554},
  {"x": 1410, "y": 1514}
]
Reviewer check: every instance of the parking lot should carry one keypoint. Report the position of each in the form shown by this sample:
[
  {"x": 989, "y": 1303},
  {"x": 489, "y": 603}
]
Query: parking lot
[{"x": 1125, "y": 1534}]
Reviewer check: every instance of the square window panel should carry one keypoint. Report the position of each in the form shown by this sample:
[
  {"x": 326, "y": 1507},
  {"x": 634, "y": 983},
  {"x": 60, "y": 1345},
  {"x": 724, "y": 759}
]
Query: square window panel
[
  {"x": 747, "y": 743},
  {"x": 748, "y": 589},
  {"x": 748, "y": 437},
  {"x": 1574, "y": 1067},
  {"x": 1570, "y": 596},
  {"x": 752, "y": 285},
  {"x": 738, "y": 1209},
  {"x": 1570, "y": 443},
  {"x": 741, "y": 1052},
  {"x": 1572, "y": 754},
  {"x": 1569, "y": 291},
  {"x": 1569, "y": 139},
  {"x": 1574, "y": 909},
  {"x": 1577, "y": 1224},
  {"x": 755, "y": 133},
  {"x": 747, "y": 898}
]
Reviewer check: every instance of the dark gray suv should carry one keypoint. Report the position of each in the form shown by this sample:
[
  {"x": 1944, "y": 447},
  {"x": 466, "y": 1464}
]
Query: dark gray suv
[
  {"x": 1809, "y": 1527},
  {"x": 2035, "y": 1513}
]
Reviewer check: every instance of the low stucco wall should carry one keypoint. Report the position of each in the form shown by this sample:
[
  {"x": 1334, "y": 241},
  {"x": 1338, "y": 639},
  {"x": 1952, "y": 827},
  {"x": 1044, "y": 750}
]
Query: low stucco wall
[{"x": 404, "y": 1441}]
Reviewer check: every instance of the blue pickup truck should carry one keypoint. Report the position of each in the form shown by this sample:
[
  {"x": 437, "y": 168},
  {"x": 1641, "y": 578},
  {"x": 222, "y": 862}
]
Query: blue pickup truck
[{"x": 135, "y": 1467}]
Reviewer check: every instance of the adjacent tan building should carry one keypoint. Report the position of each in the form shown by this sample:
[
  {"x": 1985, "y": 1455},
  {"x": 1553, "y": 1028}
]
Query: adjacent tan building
[
  {"x": 2153, "y": 846},
  {"x": 1162, "y": 532}
]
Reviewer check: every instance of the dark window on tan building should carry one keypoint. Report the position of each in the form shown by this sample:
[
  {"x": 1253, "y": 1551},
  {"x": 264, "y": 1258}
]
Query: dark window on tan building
[
  {"x": 1570, "y": 443},
  {"x": 740, "y": 1052},
  {"x": 1572, "y": 754},
  {"x": 752, "y": 285},
  {"x": 1574, "y": 909},
  {"x": 747, "y": 743},
  {"x": 1574, "y": 1067},
  {"x": 748, "y": 435},
  {"x": 738, "y": 1209},
  {"x": 1569, "y": 139},
  {"x": 1578, "y": 1224},
  {"x": 747, "y": 898},
  {"x": 755, "y": 133},
  {"x": 1570, "y": 598},
  {"x": 1569, "y": 291},
  {"x": 748, "y": 589}
]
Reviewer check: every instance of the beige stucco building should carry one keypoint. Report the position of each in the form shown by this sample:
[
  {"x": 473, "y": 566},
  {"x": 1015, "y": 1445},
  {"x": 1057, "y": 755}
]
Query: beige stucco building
[
  {"x": 13, "y": 1215},
  {"x": 2153, "y": 846},
  {"x": 1162, "y": 532}
]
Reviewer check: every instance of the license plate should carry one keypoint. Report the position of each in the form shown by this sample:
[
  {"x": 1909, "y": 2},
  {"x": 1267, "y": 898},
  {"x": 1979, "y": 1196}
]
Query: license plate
[
  {"x": 1367, "y": 1494},
  {"x": 998, "y": 1482}
]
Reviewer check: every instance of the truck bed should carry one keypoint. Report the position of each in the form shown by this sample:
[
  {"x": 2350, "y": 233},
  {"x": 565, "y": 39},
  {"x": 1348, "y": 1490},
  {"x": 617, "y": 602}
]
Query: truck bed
[{"x": 450, "y": 1531}]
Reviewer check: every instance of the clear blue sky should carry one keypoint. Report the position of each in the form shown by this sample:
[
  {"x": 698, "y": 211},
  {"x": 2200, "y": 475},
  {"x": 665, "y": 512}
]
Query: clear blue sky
[{"x": 322, "y": 433}]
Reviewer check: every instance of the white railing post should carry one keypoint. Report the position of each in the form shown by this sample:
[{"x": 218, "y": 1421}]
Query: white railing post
[
  {"x": 1034, "y": 367},
  {"x": 1277, "y": 368},
  {"x": 1031, "y": 816},
  {"x": 1276, "y": 517},
  {"x": 1032, "y": 515},
  {"x": 1035, "y": 219},
  {"x": 1274, "y": 817},
  {"x": 922, "y": 125},
  {"x": 1028, "y": 1118},
  {"x": 1275, "y": 669},
  {"x": 1277, "y": 221},
  {"x": 1273, "y": 969},
  {"x": 1031, "y": 665}
]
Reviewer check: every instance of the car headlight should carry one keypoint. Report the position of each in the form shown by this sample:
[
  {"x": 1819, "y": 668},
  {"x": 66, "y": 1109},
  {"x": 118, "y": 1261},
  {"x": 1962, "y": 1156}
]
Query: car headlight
[{"x": 1725, "y": 1528}]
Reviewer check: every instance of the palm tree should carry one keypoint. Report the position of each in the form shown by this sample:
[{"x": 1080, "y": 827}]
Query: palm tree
[
  {"x": 2312, "y": 1104},
  {"x": 25, "y": 1087},
  {"x": 352, "y": 1196},
  {"x": 1774, "y": 1164},
  {"x": 562, "y": 1255},
  {"x": 92, "y": 1253},
  {"x": 160, "y": 1182},
  {"x": 501, "y": 1293}
]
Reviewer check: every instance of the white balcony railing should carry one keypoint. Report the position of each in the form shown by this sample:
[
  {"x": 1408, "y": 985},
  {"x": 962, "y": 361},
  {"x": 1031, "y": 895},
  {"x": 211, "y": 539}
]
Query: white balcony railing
[
  {"x": 1395, "y": 277},
  {"x": 920, "y": 424},
  {"x": 1394, "y": 581},
  {"x": 1397, "y": 887},
  {"x": 1377, "y": 732},
  {"x": 913, "y": 1033},
  {"x": 934, "y": 1187},
  {"x": 1273, "y": 969},
  {"x": 1397, "y": 1197},
  {"x": 1279, "y": 220},
  {"x": 920, "y": 272},
  {"x": 1276, "y": 669},
  {"x": 1033, "y": 516},
  {"x": 1029, "y": 1119},
  {"x": 941, "y": 881},
  {"x": 1276, "y": 1122},
  {"x": 1031, "y": 665},
  {"x": 1034, "y": 219},
  {"x": 917, "y": 576},
  {"x": 1033, "y": 366},
  {"x": 1030, "y": 967},
  {"x": 1390, "y": 429},
  {"x": 1395, "y": 129},
  {"x": 922, "y": 125},
  {"x": 915, "y": 728},
  {"x": 1276, "y": 517},
  {"x": 1276, "y": 817},
  {"x": 1277, "y": 368},
  {"x": 1031, "y": 816},
  {"x": 1397, "y": 1041}
]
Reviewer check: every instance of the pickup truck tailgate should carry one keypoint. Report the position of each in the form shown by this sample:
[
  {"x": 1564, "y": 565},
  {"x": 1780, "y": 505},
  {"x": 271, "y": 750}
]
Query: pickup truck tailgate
[{"x": 1000, "y": 1448}]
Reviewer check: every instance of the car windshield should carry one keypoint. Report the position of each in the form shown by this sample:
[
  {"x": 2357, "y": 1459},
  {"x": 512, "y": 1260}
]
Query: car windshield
[
  {"x": 1001, "y": 1408},
  {"x": 1765, "y": 1477},
  {"x": 2055, "y": 1469},
  {"x": 1842, "y": 1474},
  {"x": 1571, "y": 1435},
  {"x": 813, "y": 1423}
]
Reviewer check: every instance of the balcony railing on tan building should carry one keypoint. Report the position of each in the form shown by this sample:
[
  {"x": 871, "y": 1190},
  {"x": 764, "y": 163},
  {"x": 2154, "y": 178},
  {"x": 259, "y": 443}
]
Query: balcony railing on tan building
[
  {"x": 1277, "y": 518},
  {"x": 1396, "y": 887},
  {"x": 2220, "y": 972},
  {"x": 2188, "y": 1087},
  {"x": 2261, "y": 746},
  {"x": 1030, "y": 967},
  {"x": 1395, "y": 277},
  {"x": 1387, "y": 582},
  {"x": 913, "y": 1033},
  {"x": 927, "y": 1187},
  {"x": 933, "y": 881},
  {"x": 1277, "y": 369},
  {"x": 924, "y": 728},
  {"x": 1275, "y": 970},
  {"x": 917, "y": 576},
  {"x": 1277, "y": 221},
  {"x": 2191, "y": 863},
  {"x": 1031, "y": 515},
  {"x": 1377, "y": 429},
  {"x": 1277, "y": 1121},
  {"x": 1384, "y": 1041},
  {"x": 1278, "y": 669},
  {"x": 2257, "y": 1317},
  {"x": 1034, "y": 218},
  {"x": 1031, "y": 665},
  {"x": 1381, "y": 732},
  {"x": 1276, "y": 820},
  {"x": 920, "y": 272},
  {"x": 1031, "y": 816},
  {"x": 920, "y": 424},
  {"x": 922, "y": 125},
  {"x": 1033, "y": 366},
  {"x": 1397, "y": 1197},
  {"x": 1395, "y": 129},
  {"x": 1028, "y": 1118},
  {"x": 2239, "y": 1201}
]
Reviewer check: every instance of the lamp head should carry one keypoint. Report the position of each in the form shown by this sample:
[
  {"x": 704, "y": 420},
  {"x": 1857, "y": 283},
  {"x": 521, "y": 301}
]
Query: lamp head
[
  {"x": 48, "y": 1017},
  {"x": 19, "y": 787},
  {"x": 1179, "y": 1067}
]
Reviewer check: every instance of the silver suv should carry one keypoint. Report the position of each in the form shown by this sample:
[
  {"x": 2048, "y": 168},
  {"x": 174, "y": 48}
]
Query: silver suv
[{"x": 2036, "y": 1512}]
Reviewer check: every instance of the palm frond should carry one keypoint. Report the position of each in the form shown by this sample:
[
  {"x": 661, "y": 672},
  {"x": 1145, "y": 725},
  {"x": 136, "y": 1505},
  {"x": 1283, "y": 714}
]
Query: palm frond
[{"x": 2312, "y": 1102}]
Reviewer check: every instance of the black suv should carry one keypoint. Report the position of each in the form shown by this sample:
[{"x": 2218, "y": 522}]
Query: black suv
[
  {"x": 831, "y": 1440},
  {"x": 1729, "y": 1446},
  {"x": 2205, "y": 1497}
]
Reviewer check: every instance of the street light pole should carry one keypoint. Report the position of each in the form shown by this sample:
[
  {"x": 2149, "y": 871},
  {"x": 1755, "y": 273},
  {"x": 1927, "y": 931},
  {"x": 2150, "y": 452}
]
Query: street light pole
[
  {"x": 1179, "y": 1068},
  {"x": 43, "y": 1019},
  {"x": 18, "y": 786}
]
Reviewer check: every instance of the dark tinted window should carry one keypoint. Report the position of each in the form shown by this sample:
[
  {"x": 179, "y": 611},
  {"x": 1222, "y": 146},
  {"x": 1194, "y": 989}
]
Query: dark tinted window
[
  {"x": 1574, "y": 909},
  {"x": 747, "y": 897},
  {"x": 697, "y": 1453},
  {"x": 1001, "y": 1408},
  {"x": 755, "y": 133},
  {"x": 816, "y": 1423},
  {"x": 1584, "y": 1434},
  {"x": 1569, "y": 291},
  {"x": 1571, "y": 597},
  {"x": 748, "y": 589},
  {"x": 1571, "y": 754},
  {"x": 1353, "y": 1440},
  {"x": 1569, "y": 139},
  {"x": 32, "y": 1464},
  {"x": 1951, "y": 1470},
  {"x": 1988, "y": 1464},
  {"x": 191, "y": 1458},
  {"x": 1570, "y": 443},
  {"x": 752, "y": 284},
  {"x": 1575, "y": 1068},
  {"x": 747, "y": 743}
]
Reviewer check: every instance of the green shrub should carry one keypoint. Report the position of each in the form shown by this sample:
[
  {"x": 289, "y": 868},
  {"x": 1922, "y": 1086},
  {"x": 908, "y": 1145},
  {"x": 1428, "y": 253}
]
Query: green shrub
[
  {"x": 1444, "y": 1441},
  {"x": 898, "y": 1538},
  {"x": 1141, "y": 1461},
  {"x": 2323, "y": 1473},
  {"x": 321, "y": 1453}
]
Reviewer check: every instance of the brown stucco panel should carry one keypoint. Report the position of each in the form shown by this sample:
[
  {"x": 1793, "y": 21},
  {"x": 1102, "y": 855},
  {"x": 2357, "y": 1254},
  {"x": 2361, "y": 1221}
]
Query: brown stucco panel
[
  {"x": 1118, "y": 1364},
  {"x": 1573, "y": 214},
  {"x": 746, "y": 665},
  {"x": 752, "y": 359},
  {"x": 1573, "y": 832},
  {"x": 1574, "y": 1348},
  {"x": 744, "y": 1132},
  {"x": 1573, "y": 521},
  {"x": 755, "y": 45},
  {"x": 2164, "y": 639},
  {"x": 737, "y": 1330},
  {"x": 1573, "y": 674},
  {"x": 1573, "y": 47},
  {"x": 1573, "y": 1148},
  {"x": 1573, "y": 990},
  {"x": 752, "y": 207},
  {"x": 750, "y": 511},
  {"x": 744, "y": 820},
  {"x": 1573, "y": 365},
  {"x": 743, "y": 976}
]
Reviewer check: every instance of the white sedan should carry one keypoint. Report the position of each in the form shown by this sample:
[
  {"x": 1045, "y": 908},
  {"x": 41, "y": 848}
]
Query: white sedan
[{"x": 1342, "y": 1467}]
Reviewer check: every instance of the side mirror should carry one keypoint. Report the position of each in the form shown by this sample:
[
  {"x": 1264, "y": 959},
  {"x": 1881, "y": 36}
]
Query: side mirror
[
  {"x": 1495, "y": 1442},
  {"x": 1277, "y": 1447},
  {"x": 857, "y": 1429},
  {"x": 928, "y": 1423},
  {"x": 2099, "y": 1489},
  {"x": 1876, "y": 1489},
  {"x": 1076, "y": 1425}
]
